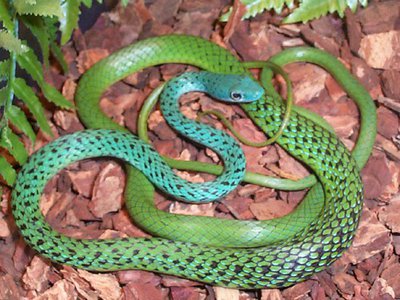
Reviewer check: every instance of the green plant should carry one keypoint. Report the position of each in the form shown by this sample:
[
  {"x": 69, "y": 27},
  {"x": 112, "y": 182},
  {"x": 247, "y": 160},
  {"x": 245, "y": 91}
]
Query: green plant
[
  {"x": 307, "y": 9},
  {"x": 44, "y": 19}
]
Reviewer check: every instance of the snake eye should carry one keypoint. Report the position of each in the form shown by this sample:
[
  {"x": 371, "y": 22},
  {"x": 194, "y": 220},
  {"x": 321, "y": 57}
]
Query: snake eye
[{"x": 236, "y": 96}]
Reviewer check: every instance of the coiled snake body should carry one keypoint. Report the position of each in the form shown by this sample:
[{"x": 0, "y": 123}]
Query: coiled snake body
[{"x": 276, "y": 265}]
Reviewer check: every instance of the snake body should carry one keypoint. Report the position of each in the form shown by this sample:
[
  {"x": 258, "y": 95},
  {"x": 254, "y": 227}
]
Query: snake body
[{"x": 279, "y": 264}]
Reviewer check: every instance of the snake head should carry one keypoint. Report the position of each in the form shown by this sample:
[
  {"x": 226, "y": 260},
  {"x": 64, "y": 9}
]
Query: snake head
[{"x": 236, "y": 88}]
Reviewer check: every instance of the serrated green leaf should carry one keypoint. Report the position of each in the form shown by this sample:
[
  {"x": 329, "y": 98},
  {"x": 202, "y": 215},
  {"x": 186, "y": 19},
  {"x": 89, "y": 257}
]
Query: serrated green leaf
[
  {"x": 39, "y": 8},
  {"x": 5, "y": 16},
  {"x": 19, "y": 119},
  {"x": 11, "y": 43},
  {"x": 125, "y": 2},
  {"x": 7, "y": 171},
  {"x": 4, "y": 137},
  {"x": 307, "y": 10},
  {"x": 312, "y": 9},
  {"x": 255, "y": 7},
  {"x": 4, "y": 68},
  {"x": 87, "y": 3},
  {"x": 52, "y": 28},
  {"x": 3, "y": 96},
  {"x": 10, "y": 141},
  {"x": 30, "y": 63},
  {"x": 53, "y": 95},
  {"x": 57, "y": 53},
  {"x": 39, "y": 30},
  {"x": 27, "y": 95},
  {"x": 69, "y": 20}
]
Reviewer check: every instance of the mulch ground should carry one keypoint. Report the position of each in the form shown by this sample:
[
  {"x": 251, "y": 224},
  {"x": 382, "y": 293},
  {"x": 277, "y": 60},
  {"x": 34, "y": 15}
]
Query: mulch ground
[{"x": 86, "y": 199}]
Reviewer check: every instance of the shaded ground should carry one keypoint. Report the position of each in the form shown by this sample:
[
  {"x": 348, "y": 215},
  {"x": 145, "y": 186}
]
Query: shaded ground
[{"x": 86, "y": 199}]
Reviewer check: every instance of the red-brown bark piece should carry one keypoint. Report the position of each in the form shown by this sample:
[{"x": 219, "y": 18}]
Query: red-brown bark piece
[
  {"x": 372, "y": 237},
  {"x": 390, "y": 215},
  {"x": 36, "y": 275},
  {"x": 391, "y": 275},
  {"x": 62, "y": 289},
  {"x": 388, "y": 122},
  {"x": 106, "y": 285},
  {"x": 376, "y": 175},
  {"x": 379, "y": 17},
  {"x": 270, "y": 209},
  {"x": 8, "y": 288},
  {"x": 390, "y": 80},
  {"x": 381, "y": 50},
  {"x": 134, "y": 291},
  {"x": 107, "y": 190}
]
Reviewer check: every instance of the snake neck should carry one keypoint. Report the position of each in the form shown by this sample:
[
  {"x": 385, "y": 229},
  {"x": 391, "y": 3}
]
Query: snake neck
[{"x": 177, "y": 87}]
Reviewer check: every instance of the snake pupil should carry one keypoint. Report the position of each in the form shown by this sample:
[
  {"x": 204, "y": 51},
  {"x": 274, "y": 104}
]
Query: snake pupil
[{"x": 236, "y": 96}]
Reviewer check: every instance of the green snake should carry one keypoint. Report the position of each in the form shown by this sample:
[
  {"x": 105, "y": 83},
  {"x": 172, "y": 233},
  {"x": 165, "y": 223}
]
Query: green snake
[{"x": 275, "y": 265}]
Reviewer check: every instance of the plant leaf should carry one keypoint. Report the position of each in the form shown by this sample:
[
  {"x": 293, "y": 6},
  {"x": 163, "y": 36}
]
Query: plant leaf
[
  {"x": 18, "y": 118},
  {"x": 87, "y": 3},
  {"x": 307, "y": 10},
  {"x": 10, "y": 141},
  {"x": 7, "y": 171},
  {"x": 31, "y": 64},
  {"x": 39, "y": 30},
  {"x": 10, "y": 43},
  {"x": 3, "y": 96},
  {"x": 255, "y": 7},
  {"x": 125, "y": 2},
  {"x": 5, "y": 16},
  {"x": 38, "y": 7},
  {"x": 57, "y": 53},
  {"x": 4, "y": 67},
  {"x": 26, "y": 94},
  {"x": 52, "y": 28},
  {"x": 312, "y": 9},
  {"x": 53, "y": 95},
  {"x": 69, "y": 20}
]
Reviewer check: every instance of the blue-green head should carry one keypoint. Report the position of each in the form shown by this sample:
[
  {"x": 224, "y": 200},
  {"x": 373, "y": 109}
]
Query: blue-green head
[{"x": 232, "y": 88}]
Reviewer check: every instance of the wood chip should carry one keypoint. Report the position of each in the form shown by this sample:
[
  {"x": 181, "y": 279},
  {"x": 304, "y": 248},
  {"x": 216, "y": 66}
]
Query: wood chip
[
  {"x": 106, "y": 285},
  {"x": 381, "y": 50},
  {"x": 107, "y": 190},
  {"x": 390, "y": 215},
  {"x": 371, "y": 238}
]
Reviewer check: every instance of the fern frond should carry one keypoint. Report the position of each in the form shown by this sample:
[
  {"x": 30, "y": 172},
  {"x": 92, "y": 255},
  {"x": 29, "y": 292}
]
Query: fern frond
[
  {"x": 312, "y": 9},
  {"x": 4, "y": 67},
  {"x": 26, "y": 94},
  {"x": 36, "y": 25},
  {"x": 255, "y": 7},
  {"x": 125, "y": 2},
  {"x": 7, "y": 171},
  {"x": 3, "y": 96},
  {"x": 18, "y": 118},
  {"x": 5, "y": 16},
  {"x": 39, "y": 7},
  {"x": 11, "y": 43},
  {"x": 10, "y": 141},
  {"x": 69, "y": 20},
  {"x": 307, "y": 10},
  {"x": 87, "y": 3},
  {"x": 31, "y": 64},
  {"x": 57, "y": 53}
]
